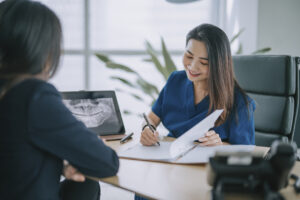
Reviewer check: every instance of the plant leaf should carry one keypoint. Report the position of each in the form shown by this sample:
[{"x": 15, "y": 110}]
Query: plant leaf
[
  {"x": 131, "y": 94},
  {"x": 158, "y": 65},
  {"x": 143, "y": 85},
  {"x": 170, "y": 66},
  {"x": 237, "y": 35},
  {"x": 136, "y": 96},
  {"x": 147, "y": 88},
  {"x": 240, "y": 49},
  {"x": 152, "y": 103},
  {"x": 149, "y": 47},
  {"x": 263, "y": 50},
  {"x": 102, "y": 57},
  {"x": 150, "y": 50},
  {"x": 127, "y": 112},
  {"x": 126, "y": 82},
  {"x": 147, "y": 60},
  {"x": 154, "y": 88},
  {"x": 113, "y": 65}
]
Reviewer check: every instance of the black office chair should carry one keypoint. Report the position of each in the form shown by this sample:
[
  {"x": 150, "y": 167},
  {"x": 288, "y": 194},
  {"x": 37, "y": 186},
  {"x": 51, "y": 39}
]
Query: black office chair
[
  {"x": 297, "y": 128},
  {"x": 272, "y": 81}
]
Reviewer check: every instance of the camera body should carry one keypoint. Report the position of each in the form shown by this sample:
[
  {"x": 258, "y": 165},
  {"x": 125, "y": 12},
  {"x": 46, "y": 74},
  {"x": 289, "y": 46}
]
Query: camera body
[{"x": 247, "y": 172}]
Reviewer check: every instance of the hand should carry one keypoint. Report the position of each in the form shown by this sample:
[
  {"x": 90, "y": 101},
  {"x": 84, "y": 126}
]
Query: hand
[
  {"x": 71, "y": 173},
  {"x": 148, "y": 138},
  {"x": 211, "y": 138},
  {"x": 104, "y": 141}
]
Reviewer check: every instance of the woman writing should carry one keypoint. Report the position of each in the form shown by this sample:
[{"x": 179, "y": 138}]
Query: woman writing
[
  {"x": 206, "y": 84},
  {"x": 37, "y": 131}
]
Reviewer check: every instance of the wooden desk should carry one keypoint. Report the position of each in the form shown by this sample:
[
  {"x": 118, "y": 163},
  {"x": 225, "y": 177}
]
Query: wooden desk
[{"x": 156, "y": 180}]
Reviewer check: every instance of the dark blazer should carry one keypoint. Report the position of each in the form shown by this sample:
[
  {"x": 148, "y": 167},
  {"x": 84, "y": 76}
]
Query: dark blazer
[{"x": 37, "y": 132}]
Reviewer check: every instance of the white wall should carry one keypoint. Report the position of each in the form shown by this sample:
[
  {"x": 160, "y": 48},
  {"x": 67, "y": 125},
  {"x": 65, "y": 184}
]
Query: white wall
[
  {"x": 279, "y": 26},
  {"x": 235, "y": 15}
]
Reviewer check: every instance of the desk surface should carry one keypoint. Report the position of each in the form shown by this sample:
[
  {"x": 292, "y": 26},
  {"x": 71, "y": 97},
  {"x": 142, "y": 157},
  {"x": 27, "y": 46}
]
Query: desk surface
[{"x": 170, "y": 181}]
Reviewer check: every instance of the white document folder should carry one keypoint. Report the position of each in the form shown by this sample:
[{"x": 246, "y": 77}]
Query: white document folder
[
  {"x": 183, "y": 149},
  {"x": 186, "y": 141},
  {"x": 196, "y": 155}
]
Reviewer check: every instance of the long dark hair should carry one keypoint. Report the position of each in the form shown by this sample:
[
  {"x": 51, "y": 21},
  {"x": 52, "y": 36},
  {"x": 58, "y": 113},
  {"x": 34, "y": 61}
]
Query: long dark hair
[
  {"x": 221, "y": 79},
  {"x": 30, "y": 38}
]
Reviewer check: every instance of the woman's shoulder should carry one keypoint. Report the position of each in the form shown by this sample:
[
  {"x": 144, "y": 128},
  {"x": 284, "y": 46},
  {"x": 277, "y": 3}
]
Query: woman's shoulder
[
  {"x": 41, "y": 85},
  {"x": 177, "y": 81},
  {"x": 38, "y": 87},
  {"x": 177, "y": 76},
  {"x": 29, "y": 87}
]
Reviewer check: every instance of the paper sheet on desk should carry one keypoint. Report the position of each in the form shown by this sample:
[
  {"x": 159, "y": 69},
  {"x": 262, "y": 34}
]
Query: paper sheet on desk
[
  {"x": 161, "y": 153},
  {"x": 186, "y": 141},
  {"x": 202, "y": 154}
]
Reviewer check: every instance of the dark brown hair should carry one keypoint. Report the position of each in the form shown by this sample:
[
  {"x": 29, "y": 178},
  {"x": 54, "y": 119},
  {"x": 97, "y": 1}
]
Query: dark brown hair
[
  {"x": 30, "y": 37},
  {"x": 221, "y": 79}
]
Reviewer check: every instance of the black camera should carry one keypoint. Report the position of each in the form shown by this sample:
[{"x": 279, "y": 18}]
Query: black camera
[{"x": 252, "y": 173}]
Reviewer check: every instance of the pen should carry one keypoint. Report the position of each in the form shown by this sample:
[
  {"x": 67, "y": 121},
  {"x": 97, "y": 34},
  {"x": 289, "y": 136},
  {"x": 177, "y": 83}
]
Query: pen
[
  {"x": 197, "y": 142},
  {"x": 126, "y": 138},
  {"x": 149, "y": 125}
]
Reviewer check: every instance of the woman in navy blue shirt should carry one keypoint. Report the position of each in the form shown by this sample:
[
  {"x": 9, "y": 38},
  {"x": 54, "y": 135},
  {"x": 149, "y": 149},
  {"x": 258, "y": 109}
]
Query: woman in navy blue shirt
[{"x": 206, "y": 84}]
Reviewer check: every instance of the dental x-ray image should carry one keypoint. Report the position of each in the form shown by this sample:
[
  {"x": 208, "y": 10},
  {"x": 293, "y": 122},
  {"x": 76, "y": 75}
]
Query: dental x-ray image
[
  {"x": 98, "y": 110},
  {"x": 93, "y": 112},
  {"x": 96, "y": 113}
]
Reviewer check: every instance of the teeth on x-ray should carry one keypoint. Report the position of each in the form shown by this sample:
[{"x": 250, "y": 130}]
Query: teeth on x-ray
[{"x": 92, "y": 112}]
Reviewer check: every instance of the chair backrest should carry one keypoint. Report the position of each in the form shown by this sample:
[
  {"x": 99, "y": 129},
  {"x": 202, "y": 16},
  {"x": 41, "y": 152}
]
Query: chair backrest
[
  {"x": 296, "y": 137},
  {"x": 272, "y": 81}
]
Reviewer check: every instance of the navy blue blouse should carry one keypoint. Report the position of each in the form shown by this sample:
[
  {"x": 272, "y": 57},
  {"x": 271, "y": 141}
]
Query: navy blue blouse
[
  {"x": 176, "y": 109},
  {"x": 37, "y": 133}
]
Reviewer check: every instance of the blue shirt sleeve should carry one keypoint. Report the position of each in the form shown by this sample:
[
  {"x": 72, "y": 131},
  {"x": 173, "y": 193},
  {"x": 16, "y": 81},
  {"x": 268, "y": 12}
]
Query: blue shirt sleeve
[
  {"x": 157, "y": 107},
  {"x": 242, "y": 129},
  {"x": 54, "y": 129}
]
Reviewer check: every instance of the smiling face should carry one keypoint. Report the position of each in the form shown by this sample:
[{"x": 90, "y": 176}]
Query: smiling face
[{"x": 195, "y": 61}]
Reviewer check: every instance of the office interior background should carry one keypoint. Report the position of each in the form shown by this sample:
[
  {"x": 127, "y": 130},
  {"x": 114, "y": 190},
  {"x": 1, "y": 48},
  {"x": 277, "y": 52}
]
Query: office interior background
[{"x": 119, "y": 29}]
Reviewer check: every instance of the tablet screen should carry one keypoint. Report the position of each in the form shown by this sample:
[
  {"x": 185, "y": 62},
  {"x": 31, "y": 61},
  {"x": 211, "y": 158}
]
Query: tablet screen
[{"x": 98, "y": 110}]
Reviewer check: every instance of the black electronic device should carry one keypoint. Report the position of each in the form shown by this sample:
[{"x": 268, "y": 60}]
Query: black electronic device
[
  {"x": 98, "y": 110},
  {"x": 126, "y": 138},
  {"x": 245, "y": 172}
]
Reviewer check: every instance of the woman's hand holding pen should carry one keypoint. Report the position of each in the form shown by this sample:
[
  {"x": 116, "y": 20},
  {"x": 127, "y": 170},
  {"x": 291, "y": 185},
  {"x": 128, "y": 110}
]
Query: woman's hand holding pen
[
  {"x": 148, "y": 138},
  {"x": 211, "y": 138}
]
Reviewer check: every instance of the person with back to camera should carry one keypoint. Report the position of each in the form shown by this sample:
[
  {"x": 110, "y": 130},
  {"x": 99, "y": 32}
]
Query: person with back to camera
[
  {"x": 206, "y": 84},
  {"x": 38, "y": 132}
]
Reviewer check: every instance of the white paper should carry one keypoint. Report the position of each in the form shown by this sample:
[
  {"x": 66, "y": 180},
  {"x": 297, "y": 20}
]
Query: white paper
[
  {"x": 186, "y": 141},
  {"x": 202, "y": 154},
  {"x": 183, "y": 149},
  {"x": 197, "y": 155},
  {"x": 155, "y": 152}
]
